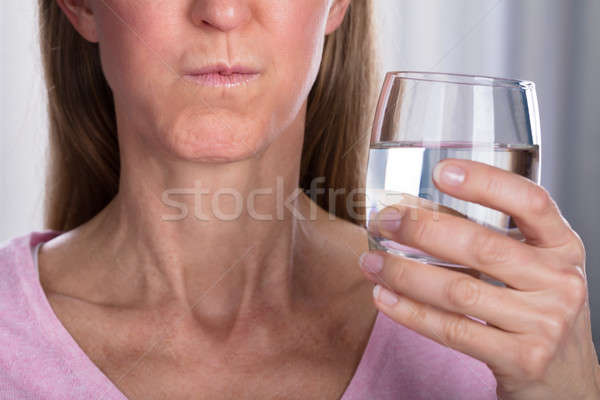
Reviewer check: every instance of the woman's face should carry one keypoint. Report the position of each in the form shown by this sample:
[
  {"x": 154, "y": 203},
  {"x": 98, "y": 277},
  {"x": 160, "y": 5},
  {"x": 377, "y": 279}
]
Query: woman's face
[{"x": 153, "y": 51}]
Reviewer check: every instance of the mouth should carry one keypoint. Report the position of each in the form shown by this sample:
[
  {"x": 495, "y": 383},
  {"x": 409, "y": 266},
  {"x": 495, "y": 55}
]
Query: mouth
[{"x": 222, "y": 75}]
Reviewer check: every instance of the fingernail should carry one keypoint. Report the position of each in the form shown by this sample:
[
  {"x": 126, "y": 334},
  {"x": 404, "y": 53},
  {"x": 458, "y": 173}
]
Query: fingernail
[
  {"x": 389, "y": 219},
  {"x": 449, "y": 174},
  {"x": 371, "y": 262},
  {"x": 384, "y": 296}
]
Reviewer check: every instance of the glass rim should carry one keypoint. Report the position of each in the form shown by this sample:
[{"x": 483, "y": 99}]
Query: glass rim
[{"x": 460, "y": 79}]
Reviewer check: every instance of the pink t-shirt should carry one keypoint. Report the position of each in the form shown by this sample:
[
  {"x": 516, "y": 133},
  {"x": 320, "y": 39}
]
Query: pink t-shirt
[{"x": 39, "y": 359}]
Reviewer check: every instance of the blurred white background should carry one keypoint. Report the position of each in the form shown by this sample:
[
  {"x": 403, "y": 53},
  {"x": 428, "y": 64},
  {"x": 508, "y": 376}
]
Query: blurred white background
[{"x": 551, "y": 42}]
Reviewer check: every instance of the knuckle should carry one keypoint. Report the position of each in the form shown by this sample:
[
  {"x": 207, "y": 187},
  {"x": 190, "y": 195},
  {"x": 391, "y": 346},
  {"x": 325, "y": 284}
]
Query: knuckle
[
  {"x": 573, "y": 251},
  {"x": 575, "y": 289},
  {"x": 539, "y": 199},
  {"x": 489, "y": 250},
  {"x": 534, "y": 359},
  {"x": 416, "y": 314},
  {"x": 455, "y": 331},
  {"x": 577, "y": 248},
  {"x": 553, "y": 325},
  {"x": 396, "y": 275},
  {"x": 493, "y": 187},
  {"x": 463, "y": 292},
  {"x": 420, "y": 231}
]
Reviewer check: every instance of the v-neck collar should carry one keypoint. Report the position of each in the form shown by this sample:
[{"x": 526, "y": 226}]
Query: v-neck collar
[{"x": 88, "y": 373}]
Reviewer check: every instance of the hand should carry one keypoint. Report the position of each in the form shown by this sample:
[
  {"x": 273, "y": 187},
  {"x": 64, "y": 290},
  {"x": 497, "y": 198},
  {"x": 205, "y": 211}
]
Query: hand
[{"x": 537, "y": 340}]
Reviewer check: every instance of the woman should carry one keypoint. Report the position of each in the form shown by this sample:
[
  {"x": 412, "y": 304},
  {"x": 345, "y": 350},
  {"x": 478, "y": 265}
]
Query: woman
[{"x": 152, "y": 282}]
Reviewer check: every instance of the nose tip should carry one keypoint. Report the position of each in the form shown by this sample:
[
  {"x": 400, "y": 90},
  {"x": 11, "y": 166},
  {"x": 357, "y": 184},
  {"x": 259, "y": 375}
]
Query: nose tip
[{"x": 224, "y": 15}]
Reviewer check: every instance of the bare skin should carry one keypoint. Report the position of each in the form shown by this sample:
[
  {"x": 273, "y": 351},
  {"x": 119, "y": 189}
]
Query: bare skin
[
  {"x": 241, "y": 308},
  {"x": 165, "y": 349}
]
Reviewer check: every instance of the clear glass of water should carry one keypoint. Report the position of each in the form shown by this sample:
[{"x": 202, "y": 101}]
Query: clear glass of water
[{"x": 422, "y": 118}]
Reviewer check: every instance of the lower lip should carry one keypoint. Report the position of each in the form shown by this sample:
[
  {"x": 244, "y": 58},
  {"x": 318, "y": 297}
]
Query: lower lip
[{"x": 221, "y": 80}]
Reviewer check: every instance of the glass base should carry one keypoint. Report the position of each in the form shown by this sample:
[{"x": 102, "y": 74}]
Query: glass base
[{"x": 411, "y": 253}]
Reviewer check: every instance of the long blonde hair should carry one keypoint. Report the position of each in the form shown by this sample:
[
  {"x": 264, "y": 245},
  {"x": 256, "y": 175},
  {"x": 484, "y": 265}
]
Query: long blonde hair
[{"x": 83, "y": 170}]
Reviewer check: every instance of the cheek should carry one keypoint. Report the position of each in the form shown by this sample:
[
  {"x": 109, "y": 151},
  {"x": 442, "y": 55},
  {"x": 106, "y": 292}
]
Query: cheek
[
  {"x": 297, "y": 37},
  {"x": 134, "y": 44}
]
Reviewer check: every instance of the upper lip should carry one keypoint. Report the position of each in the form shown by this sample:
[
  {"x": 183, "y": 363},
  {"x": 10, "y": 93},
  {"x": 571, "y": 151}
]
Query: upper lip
[{"x": 224, "y": 69}]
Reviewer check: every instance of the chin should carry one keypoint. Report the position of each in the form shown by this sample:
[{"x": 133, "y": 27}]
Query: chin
[
  {"x": 217, "y": 134},
  {"x": 214, "y": 151},
  {"x": 215, "y": 137}
]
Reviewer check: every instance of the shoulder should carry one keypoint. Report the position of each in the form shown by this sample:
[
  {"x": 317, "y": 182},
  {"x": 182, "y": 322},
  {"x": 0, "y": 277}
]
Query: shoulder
[
  {"x": 21, "y": 316},
  {"x": 19, "y": 284},
  {"x": 16, "y": 253},
  {"x": 397, "y": 362},
  {"x": 400, "y": 361}
]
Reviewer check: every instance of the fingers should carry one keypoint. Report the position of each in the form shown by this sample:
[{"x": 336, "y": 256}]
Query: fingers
[
  {"x": 453, "y": 291},
  {"x": 522, "y": 331},
  {"x": 532, "y": 208},
  {"x": 488, "y": 344},
  {"x": 467, "y": 243}
]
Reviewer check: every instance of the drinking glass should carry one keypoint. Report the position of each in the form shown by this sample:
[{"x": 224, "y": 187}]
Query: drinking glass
[{"x": 424, "y": 117}]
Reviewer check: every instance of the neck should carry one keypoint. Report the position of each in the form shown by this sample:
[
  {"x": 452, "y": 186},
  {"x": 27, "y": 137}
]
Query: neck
[{"x": 215, "y": 237}]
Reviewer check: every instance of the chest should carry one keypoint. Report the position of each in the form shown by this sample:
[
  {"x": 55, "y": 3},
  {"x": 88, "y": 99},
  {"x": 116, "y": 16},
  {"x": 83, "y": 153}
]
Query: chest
[
  {"x": 294, "y": 379},
  {"x": 155, "y": 363}
]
